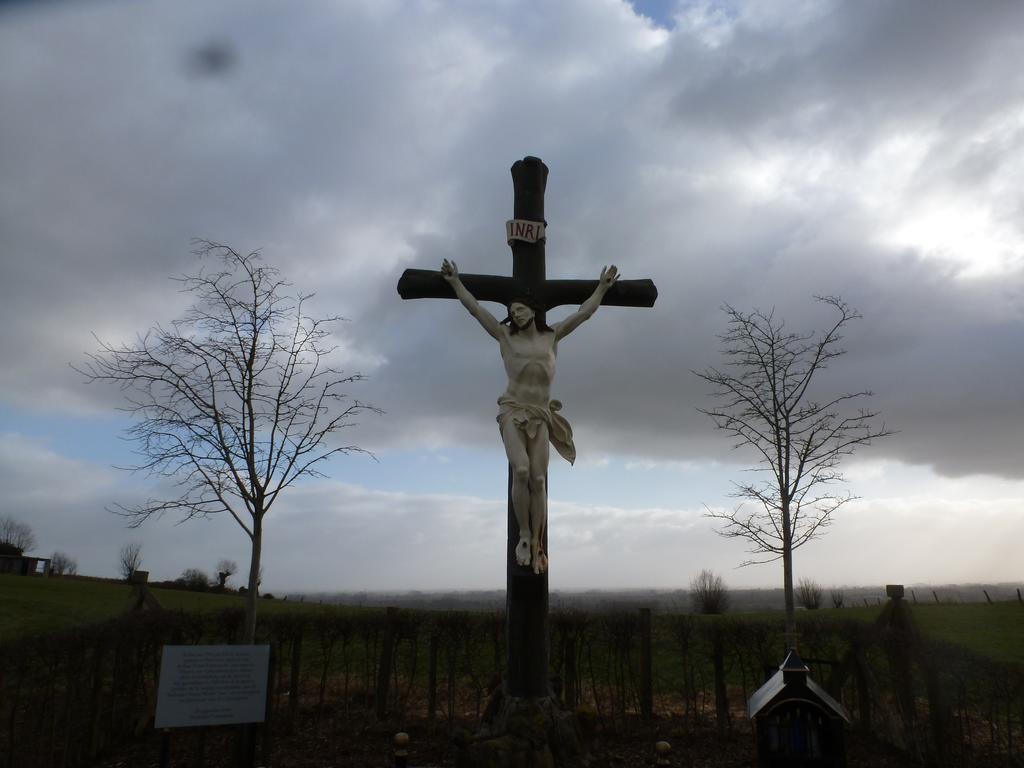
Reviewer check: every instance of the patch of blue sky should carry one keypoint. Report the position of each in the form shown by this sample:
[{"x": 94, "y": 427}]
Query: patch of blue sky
[
  {"x": 637, "y": 484},
  {"x": 661, "y": 12},
  {"x": 459, "y": 472},
  {"x": 666, "y": 13},
  {"x": 99, "y": 440},
  {"x": 613, "y": 481}
]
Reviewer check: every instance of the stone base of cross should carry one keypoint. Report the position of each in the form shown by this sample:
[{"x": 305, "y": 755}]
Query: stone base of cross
[{"x": 527, "y": 687}]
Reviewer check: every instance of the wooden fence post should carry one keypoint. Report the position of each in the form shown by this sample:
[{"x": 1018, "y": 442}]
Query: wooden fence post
[
  {"x": 268, "y": 715},
  {"x": 293, "y": 680},
  {"x": 646, "y": 682},
  {"x": 721, "y": 694},
  {"x": 95, "y": 696},
  {"x": 570, "y": 667},
  {"x": 384, "y": 668},
  {"x": 863, "y": 690},
  {"x": 900, "y": 642},
  {"x": 940, "y": 712},
  {"x": 435, "y": 642}
]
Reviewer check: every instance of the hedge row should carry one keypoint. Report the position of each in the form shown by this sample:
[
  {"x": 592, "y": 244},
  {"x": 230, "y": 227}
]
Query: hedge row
[{"x": 66, "y": 698}]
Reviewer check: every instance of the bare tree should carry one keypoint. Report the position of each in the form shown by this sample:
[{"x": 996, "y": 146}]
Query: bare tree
[
  {"x": 15, "y": 534},
  {"x": 235, "y": 402},
  {"x": 194, "y": 579},
  {"x": 809, "y": 592},
  {"x": 708, "y": 593},
  {"x": 765, "y": 402},
  {"x": 225, "y": 570},
  {"x": 63, "y": 564},
  {"x": 129, "y": 559}
]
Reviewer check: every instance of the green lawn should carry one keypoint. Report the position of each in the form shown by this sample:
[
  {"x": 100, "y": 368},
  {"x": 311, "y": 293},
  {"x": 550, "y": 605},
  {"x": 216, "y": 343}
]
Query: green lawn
[
  {"x": 38, "y": 605},
  {"x": 33, "y": 605},
  {"x": 995, "y": 630}
]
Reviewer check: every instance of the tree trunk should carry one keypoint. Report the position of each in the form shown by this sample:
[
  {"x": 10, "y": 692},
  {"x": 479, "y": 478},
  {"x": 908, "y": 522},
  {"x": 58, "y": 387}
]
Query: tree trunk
[
  {"x": 787, "y": 578},
  {"x": 249, "y": 635}
]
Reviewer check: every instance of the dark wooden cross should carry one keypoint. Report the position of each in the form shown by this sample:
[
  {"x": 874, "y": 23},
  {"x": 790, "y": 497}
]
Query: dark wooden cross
[{"x": 527, "y": 592}]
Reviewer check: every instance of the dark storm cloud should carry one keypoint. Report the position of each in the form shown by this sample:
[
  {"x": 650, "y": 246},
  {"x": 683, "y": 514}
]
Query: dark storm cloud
[{"x": 740, "y": 167}]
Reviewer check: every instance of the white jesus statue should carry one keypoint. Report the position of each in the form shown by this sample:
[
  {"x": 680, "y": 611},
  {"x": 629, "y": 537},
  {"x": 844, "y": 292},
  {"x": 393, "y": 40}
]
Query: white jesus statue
[{"x": 527, "y": 416}]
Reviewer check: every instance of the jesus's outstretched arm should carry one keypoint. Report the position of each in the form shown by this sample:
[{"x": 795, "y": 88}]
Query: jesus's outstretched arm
[
  {"x": 450, "y": 272},
  {"x": 608, "y": 277}
]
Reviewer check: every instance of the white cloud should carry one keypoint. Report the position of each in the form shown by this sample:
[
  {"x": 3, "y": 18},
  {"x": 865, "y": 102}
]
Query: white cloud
[{"x": 329, "y": 535}]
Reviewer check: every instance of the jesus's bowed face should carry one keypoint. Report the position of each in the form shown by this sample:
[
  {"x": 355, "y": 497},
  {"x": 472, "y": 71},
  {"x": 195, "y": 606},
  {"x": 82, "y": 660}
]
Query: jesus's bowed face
[{"x": 521, "y": 314}]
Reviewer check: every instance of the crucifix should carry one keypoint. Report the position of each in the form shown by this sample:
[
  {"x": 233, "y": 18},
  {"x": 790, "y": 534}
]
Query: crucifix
[{"x": 527, "y": 417}]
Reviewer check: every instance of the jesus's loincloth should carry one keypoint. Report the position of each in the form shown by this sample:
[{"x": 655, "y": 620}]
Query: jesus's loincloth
[{"x": 529, "y": 417}]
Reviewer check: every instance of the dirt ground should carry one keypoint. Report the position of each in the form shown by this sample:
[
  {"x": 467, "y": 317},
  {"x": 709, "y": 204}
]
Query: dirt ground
[{"x": 358, "y": 741}]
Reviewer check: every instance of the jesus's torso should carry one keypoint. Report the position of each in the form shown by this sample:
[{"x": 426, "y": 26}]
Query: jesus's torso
[{"x": 530, "y": 364}]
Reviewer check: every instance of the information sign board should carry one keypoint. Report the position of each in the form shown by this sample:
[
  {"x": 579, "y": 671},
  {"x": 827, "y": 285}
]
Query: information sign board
[{"x": 212, "y": 685}]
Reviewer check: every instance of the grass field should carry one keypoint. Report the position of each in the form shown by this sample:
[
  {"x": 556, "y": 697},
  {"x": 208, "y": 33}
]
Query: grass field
[
  {"x": 30, "y": 605},
  {"x": 995, "y": 630},
  {"x": 39, "y": 605}
]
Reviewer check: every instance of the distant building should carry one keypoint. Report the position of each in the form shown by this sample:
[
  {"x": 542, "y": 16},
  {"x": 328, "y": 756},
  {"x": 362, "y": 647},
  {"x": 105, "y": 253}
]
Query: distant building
[{"x": 25, "y": 565}]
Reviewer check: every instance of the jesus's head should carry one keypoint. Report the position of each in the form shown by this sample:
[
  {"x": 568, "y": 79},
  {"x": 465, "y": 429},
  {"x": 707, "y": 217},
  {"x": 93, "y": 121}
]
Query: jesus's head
[{"x": 522, "y": 312}]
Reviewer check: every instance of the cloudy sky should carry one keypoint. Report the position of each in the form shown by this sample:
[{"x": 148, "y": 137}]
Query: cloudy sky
[{"x": 755, "y": 154}]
